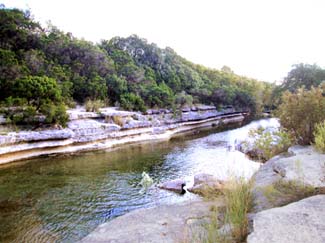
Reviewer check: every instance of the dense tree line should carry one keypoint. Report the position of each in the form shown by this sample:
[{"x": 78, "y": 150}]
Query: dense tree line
[{"x": 45, "y": 67}]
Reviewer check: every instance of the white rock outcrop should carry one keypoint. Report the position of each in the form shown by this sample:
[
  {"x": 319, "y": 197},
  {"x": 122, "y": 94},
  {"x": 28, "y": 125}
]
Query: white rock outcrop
[
  {"x": 299, "y": 222},
  {"x": 301, "y": 165}
]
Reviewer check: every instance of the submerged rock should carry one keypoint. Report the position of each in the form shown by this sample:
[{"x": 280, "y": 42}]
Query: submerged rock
[
  {"x": 174, "y": 185},
  {"x": 206, "y": 183},
  {"x": 298, "y": 222}
]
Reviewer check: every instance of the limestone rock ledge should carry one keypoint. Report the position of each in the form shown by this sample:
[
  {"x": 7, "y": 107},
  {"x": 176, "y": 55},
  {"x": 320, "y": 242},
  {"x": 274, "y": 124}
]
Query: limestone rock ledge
[
  {"x": 109, "y": 127},
  {"x": 302, "y": 168},
  {"x": 299, "y": 222},
  {"x": 164, "y": 224}
]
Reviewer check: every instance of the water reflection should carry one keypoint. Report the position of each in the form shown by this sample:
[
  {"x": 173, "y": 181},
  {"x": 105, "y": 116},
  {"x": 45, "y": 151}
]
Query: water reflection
[{"x": 62, "y": 199}]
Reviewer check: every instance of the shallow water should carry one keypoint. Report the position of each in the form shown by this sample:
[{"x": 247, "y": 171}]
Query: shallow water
[{"x": 62, "y": 199}]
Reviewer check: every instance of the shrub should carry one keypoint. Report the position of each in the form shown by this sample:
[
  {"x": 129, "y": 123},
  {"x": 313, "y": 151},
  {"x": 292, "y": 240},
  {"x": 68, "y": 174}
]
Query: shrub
[
  {"x": 19, "y": 115},
  {"x": 10, "y": 101},
  {"x": 269, "y": 144},
  {"x": 183, "y": 99},
  {"x": 55, "y": 114},
  {"x": 319, "y": 134},
  {"x": 300, "y": 111},
  {"x": 118, "y": 120},
  {"x": 94, "y": 105},
  {"x": 131, "y": 101}
]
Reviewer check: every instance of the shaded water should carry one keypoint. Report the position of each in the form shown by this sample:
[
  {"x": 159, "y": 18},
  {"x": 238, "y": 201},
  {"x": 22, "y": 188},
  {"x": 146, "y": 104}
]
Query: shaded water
[{"x": 62, "y": 199}]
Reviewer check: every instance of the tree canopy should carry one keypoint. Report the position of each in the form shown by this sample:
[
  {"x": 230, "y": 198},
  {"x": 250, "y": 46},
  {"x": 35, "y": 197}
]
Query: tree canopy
[{"x": 60, "y": 68}]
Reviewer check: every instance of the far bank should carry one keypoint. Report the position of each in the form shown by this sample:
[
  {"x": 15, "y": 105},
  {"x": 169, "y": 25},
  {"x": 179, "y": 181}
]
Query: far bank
[{"x": 110, "y": 127}]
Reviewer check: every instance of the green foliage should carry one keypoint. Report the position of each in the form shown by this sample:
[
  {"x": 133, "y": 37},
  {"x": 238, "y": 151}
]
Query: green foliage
[
  {"x": 270, "y": 143},
  {"x": 159, "y": 95},
  {"x": 37, "y": 90},
  {"x": 283, "y": 192},
  {"x": 55, "y": 114},
  {"x": 21, "y": 115},
  {"x": 132, "y": 101},
  {"x": 301, "y": 111},
  {"x": 183, "y": 99},
  {"x": 319, "y": 135},
  {"x": 52, "y": 65},
  {"x": 115, "y": 87},
  {"x": 301, "y": 76},
  {"x": 239, "y": 201}
]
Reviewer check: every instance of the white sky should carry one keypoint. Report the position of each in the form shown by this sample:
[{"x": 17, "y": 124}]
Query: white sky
[{"x": 256, "y": 38}]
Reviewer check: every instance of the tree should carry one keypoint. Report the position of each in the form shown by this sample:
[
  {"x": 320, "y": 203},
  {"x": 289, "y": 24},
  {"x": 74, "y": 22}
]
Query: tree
[
  {"x": 299, "y": 112},
  {"x": 116, "y": 86},
  {"x": 303, "y": 75},
  {"x": 37, "y": 90},
  {"x": 131, "y": 101}
]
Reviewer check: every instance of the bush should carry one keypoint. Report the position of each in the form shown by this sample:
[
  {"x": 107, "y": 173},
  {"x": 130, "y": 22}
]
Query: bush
[
  {"x": 94, "y": 105},
  {"x": 132, "y": 101},
  {"x": 319, "y": 134},
  {"x": 271, "y": 143},
  {"x": 118, "y": 120},
  {"x": 183, "y": 99},
  {"x": 10, "y": 101},
  {"x": 55, "y": 114},
  {"x": 300, "y": 111},
  {"x": 20, "y": 115}
]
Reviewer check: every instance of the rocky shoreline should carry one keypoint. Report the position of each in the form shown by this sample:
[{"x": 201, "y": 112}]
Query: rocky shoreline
[
  {"x": 287, "y": 207},
  {"x": 108, "y": 128}
]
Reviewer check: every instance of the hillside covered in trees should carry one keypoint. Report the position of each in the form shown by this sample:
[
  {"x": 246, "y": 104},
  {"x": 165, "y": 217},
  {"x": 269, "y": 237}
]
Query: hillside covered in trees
[{"x": 44, "y": 70}]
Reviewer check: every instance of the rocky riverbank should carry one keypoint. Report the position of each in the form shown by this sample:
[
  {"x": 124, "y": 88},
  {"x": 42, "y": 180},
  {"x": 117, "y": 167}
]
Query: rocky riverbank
[
  {"x": 110, "y": 127},
  {"x": 286, "y": 207}
]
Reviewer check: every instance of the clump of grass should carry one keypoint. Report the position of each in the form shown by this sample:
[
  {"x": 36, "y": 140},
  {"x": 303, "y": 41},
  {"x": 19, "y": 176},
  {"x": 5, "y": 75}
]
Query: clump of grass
[
  {"x": 118, "y": 120},
  {"x": 283, "y": 192},
  {"x": 209, "y": 192},
  {"x": 231, "y": 224},
  {"x": 319, "y": 134},
  {"x": 94, "y": 105},
  {"x": 239, "y": 202},
  {"x": 294, "y": 190},
  {"x": 271, "y": 193}
]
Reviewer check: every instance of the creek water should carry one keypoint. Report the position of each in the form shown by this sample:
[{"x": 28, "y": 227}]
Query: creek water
[{"x": 63, "y": 198}]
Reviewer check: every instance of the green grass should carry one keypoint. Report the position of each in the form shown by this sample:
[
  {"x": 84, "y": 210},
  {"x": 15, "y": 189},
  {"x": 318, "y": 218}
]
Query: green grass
[
  {"x": 238, "y": 203},
  {"x": 284, "y": 192}
]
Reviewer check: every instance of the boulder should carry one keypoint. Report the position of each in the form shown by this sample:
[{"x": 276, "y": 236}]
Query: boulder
[
  {"x": 206, "y": 183},
  {"x": 302, "y": 168},
  {"x": 298, "y": 222},
  {"x": 164, "y": 223},
  {"x": 174, "y": 185}
]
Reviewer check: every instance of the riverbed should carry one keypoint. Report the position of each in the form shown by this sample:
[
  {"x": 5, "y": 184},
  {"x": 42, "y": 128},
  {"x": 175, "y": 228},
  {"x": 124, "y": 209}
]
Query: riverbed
[{"x": 63, "y": 198}]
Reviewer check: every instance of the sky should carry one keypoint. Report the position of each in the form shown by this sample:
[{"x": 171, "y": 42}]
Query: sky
[{"x": 261, "y": 39}]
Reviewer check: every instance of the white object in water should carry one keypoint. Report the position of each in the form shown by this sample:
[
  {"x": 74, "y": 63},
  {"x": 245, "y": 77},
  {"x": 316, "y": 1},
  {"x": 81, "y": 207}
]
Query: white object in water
[{"x": 146, "y": 180}]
